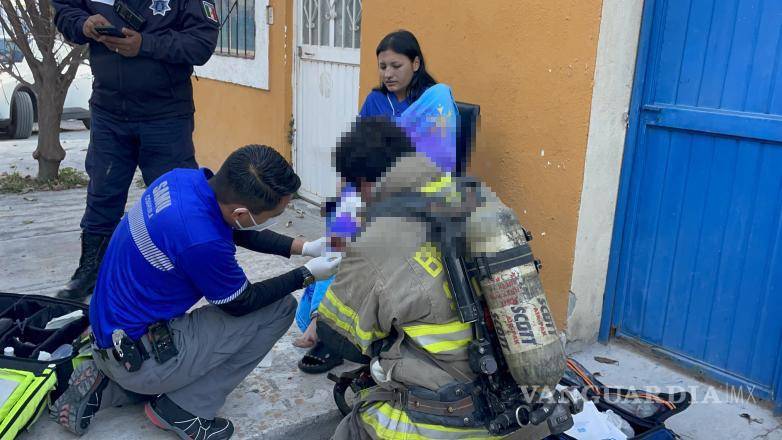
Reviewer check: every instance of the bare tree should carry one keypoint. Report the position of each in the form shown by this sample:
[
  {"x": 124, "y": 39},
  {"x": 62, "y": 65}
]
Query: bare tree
[{"x": 53, "y": 64}]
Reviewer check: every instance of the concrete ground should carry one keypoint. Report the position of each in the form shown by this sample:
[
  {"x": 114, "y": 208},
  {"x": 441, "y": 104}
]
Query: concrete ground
[{"x": 39, "y": 249}]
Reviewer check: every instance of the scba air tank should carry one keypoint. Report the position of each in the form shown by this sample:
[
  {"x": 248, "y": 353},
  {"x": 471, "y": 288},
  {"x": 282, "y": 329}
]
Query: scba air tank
[{"x": 515, "y": 298}]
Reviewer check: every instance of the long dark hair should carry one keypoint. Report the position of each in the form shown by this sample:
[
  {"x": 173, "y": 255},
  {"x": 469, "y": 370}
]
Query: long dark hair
[{"x": 404, "y": 42}]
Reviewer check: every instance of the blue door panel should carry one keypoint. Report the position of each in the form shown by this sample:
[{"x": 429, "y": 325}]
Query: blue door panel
[
  {"x": 765, "y": 75},
  {"x": 696, "y": 264},
  {"x": 731, "y": 269},
  {"x": 690, "y": 217},
  {"x": 667, "y": 232},
  {"x": 744, "y": 44},
  {"x": 710, "y": 86},
  {"x": 717, "y": 55}
]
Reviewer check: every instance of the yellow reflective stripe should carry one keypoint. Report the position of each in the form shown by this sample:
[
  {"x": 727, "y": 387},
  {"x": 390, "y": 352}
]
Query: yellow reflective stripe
[
  {"x": 436, "y": 329},
  {"x": 437, "y": 185},
  {"x": 447, "y": 290},
  {"x": 362, "y": 337},
  {"x": 329, "y": 315},
  {"x": 393, "y": 413},
  {"x": 439, "y": 338},
  {"x": 323, "y": 310},
  {"x": 440, "y": 347},
  {"x": 387, "y": 433},
  {"x": 449, "y": 295},
  {"x": 398, "y": 426},
  {"x": 345, "y": 310}
]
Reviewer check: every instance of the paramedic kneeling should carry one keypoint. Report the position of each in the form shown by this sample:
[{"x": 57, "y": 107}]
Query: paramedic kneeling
[{"x": 175, "y": 246}]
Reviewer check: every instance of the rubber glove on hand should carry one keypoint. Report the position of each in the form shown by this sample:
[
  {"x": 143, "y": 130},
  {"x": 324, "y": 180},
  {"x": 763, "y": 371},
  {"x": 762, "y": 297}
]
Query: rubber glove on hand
[
  {"x": 323, "y": 268},
  {"x": 314, "y": 248}
]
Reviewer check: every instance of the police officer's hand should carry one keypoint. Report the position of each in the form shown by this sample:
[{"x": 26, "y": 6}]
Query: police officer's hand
[
  {"x": 127, "y": 47},
  {"x": 323, "y": 268},
  {"x": 89, "y": 26}
]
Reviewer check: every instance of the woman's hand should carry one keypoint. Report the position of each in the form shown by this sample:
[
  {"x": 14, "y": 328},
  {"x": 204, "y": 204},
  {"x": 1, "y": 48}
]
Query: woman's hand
[{"x": 309, "y": 338}]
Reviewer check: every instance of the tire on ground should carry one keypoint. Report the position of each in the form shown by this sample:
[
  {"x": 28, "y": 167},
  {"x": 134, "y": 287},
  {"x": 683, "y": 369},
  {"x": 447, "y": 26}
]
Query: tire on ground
[{"x": 22, "y": 116}]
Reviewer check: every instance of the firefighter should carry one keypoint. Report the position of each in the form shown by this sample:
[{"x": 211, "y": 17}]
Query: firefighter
[{"x": 390, "y": 305}]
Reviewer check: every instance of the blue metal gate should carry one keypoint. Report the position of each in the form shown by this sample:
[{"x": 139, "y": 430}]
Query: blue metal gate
[{"x": 696, "y": 258}]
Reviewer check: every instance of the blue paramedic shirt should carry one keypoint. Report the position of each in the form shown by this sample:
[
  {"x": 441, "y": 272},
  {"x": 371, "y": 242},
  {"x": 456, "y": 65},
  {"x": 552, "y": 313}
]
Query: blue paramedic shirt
[
  {"x": 380, "y": 104},
  {"x": 170, "y": 250}
]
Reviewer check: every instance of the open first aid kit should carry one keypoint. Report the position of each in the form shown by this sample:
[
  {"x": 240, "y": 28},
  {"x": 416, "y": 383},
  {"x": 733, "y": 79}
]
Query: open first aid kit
[{"x": 40, "y": 340}]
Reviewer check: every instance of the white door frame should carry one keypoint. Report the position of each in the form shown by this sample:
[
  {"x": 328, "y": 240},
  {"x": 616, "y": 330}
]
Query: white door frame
[
  {"x": 614, "y": 72},
  {"x": 334, "y": 55},
  {"x": 295, "y": 84}
]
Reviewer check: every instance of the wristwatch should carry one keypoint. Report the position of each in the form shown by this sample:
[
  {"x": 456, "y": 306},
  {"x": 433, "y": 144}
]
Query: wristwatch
[{"x": 307, "y": 275}]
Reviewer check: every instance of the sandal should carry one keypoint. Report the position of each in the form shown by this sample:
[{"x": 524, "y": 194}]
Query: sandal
[{"x": 319, "y": 360}]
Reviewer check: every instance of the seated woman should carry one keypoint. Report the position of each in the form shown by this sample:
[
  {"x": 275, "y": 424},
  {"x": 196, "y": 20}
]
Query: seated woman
[{"x": 409, "y": 96}]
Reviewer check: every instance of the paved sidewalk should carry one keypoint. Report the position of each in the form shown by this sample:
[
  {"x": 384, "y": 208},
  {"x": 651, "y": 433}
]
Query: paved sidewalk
[
  {"x": 39, "y": 248},
  {"x": 716, "y": 411}
]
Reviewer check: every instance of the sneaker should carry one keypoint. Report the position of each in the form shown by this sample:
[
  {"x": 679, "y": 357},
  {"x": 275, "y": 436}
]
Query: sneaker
[
  {"x": 79, "y": 403},
  {"x": 165, "y": 414}
]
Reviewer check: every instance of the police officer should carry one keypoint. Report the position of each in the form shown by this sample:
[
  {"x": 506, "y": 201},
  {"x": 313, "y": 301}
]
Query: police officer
[
  {"x": 174, "y": 247},
  {"x": 142, "y": 103}
]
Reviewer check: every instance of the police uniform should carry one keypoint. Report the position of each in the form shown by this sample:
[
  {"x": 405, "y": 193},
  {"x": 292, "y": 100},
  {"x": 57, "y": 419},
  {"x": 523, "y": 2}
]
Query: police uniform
[
  {"x": 172, "y": 249},
  {"x": 142, "y": 107}
]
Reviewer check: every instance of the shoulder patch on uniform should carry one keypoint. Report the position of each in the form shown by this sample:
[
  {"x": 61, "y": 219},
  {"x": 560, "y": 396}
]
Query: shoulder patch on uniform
[
  {"x": 161, "y": 196},
  {"x": 210, "y": 11}
]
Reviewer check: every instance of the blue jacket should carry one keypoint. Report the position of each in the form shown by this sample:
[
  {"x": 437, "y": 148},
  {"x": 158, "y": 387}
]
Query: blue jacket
[{"x": 156, "y": 83}]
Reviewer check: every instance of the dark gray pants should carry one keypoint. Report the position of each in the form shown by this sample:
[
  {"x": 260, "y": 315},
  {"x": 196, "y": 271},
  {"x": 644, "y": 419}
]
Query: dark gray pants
[{"x": 216, "y": 352}]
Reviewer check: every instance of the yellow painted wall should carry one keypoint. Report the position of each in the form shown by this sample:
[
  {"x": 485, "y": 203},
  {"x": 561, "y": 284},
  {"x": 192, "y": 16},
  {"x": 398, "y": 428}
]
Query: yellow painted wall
[
  {"x": 229, "y": 116},
  {"x": 529, "y": 65}
]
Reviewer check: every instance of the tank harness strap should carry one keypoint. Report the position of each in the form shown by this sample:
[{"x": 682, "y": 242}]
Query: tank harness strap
[
  {"x": 459, "y": 408},
  {"x": 383, "y": 395},
  {"x": 406, "y": 401},
  {"x": 487, "y": 264}
]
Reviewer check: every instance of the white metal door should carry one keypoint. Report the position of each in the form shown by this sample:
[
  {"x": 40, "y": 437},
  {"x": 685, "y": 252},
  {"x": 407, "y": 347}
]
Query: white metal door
[{"x": 327, "y": 63}]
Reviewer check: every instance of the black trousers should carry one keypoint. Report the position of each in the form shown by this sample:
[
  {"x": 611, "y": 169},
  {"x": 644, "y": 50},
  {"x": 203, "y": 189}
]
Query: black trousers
[
  {"x": 339, "y": 345},
  {"x": 116, "y": 148}
]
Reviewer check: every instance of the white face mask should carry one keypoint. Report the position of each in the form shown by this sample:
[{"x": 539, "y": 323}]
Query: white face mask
[{"x": 256, "y": 227}]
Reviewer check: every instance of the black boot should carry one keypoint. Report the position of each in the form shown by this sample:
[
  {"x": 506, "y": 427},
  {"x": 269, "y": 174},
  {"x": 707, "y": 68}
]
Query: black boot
[
  {"x": 165, "y": 414},
  {"x": 82, "y": 282}
]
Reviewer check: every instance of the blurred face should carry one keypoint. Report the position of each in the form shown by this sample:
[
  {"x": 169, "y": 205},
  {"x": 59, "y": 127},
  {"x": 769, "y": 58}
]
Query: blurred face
[
  {"x": 365, "y": 189},
  {"x": 396, "y": 71}
]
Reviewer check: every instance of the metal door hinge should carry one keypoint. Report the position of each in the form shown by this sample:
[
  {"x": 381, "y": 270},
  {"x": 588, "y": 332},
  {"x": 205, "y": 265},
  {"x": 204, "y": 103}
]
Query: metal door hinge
[
  {"x": 302, "y": 53},
  {"x": 270, "y": 15}
]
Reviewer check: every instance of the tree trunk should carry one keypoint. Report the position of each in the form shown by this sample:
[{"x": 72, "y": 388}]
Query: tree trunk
[{"x": 49, "y": 152}]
